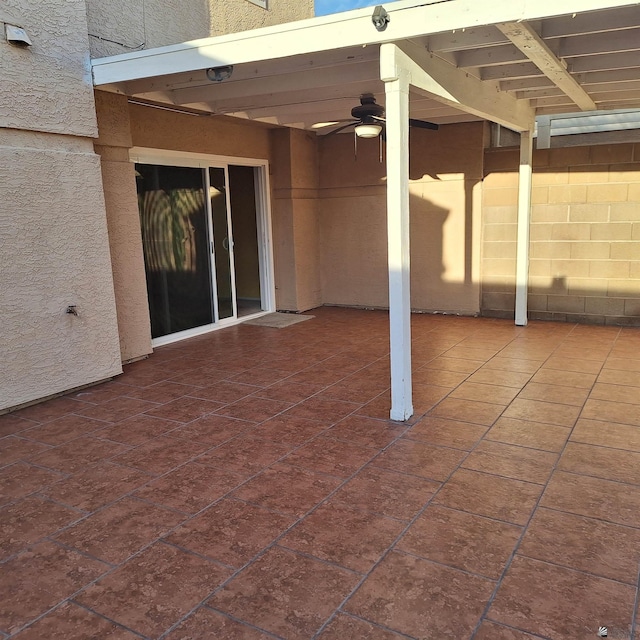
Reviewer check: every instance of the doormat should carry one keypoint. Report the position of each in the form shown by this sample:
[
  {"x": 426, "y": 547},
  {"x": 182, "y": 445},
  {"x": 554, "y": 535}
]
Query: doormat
[{"x": 278, "y": 320}]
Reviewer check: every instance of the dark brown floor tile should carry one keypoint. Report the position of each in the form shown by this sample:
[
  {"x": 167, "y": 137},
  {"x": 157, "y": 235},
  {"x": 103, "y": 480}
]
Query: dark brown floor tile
[
  {"x": 564, "y": 378},
  {"x": 254, "y": 409},
  {"x": 493, "y": 631},
  {"x": 285, "y": 593},
  {"x": 206, "y": 624},
  {"x": 447, "y": 433},
  {"x": 161, "y": 454},
  {"x": 601, "y": 462},
  {"x": 213, "y": 429},
  {"x": 439, "y": 377},
  {"x": 134, "y": 431},
  {"x": 63, "y": 429},
  {"x": 572, "y": 605},
  {"x": 612, "y": 412},
  {"x": 11, "y": 424},
  {"x": 470, "y": 353},
  {"x": 622, "y": 363},
  {"x": 491, "y": 496},
  {"x": 615, "y": 393},
  {"x": 615, "y": 376},
  {"x": 504, "y": 378},
  {"x": 184, "y": 409},
  {"x": 454, "y": 364},
  {"x": 29, "y": 520},
  {"x": 13, "y": 449},
  {"x": 116, "y": 409},
  {"x": 462, "y": 540},
  {"x": 343, "y": 627},
  {"x": 555, "y": 394},
  {"x": 120, "y": 530},
  {"x": 161, "y": 392},
  {"x": 259, "y": 376},
  {"x": 468, "y": 411},
  {"x": 287, "y": 489},
  {"x": 507, "y": 460},
  {"x": 20, "y": 479},
  {"x": 358, "y": 389},
  {"x": 420, "y": 459},
  {"x": 515, "y": 365},
  {"x": 561, "y": 415},
  {"x": 593, "y": 497},
  {"x": 191, "y": 487},
  {"x": 287, "y": 391},
  {"x": 245, "y": 454},
  {"x": 40, "y": 578},
  {"x": 78, "y": 454},
  {"x": 577, "y": 365},
  {"x": 484, "y": 392},
  {"x": 224, "y": 391},
  {"x": 96, "y": 486},
  {"x": 352, "y": 539},
  {"x": 605, "y": 549},
  {"x": 153, "y": 590},
  {"x": 386, "y": 492},
  {"x": 606, "y": 434},
  {"x": 51, "y": 409},
  {"x": 71, "y": 622},
  {"x": 526, "y": 433},
  {"x": 231, "y": 531},
  {"x": 412, "y": 595},
  {"x": 334, "y": 457},
  {"x": 367, "y": 432},
  {"x": 288, "y": 430},
  {"x": 328, "y": 411}
]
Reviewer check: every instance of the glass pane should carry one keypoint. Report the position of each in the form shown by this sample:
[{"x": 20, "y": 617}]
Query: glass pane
[
  {"x": 245, "y": 239},
  {"x": 176, "y": 247},
  {"x": 221, "y": 242}
]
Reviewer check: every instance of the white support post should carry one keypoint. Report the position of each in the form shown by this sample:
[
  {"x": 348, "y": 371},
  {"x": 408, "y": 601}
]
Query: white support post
[
  {"x": 524, "y": 219},
  {"x": 397, "y": 131}
]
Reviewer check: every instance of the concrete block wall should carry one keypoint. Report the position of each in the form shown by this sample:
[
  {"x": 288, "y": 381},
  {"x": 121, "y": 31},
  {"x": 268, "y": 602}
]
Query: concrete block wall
[{"x": 585, "y": 234}]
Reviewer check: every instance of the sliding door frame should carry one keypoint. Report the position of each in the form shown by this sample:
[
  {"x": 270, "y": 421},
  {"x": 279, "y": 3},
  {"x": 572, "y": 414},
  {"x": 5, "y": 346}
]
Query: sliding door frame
[{"x": 143, "y": 155}]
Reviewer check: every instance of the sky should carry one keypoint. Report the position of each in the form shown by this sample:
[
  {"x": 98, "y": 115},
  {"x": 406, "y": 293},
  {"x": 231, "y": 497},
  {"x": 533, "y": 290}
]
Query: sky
[{"x": 324, "y": 7}]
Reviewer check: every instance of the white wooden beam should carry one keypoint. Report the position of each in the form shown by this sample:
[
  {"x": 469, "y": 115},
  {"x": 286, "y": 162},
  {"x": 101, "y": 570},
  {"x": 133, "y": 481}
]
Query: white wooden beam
[
  {"x": 409, "y": 20},
  {"x": 534, "y": 47},
  {"x": 397, "y": 131},
  {"x": 451, "y": 86},
  {"x": 524, "y": 220}
]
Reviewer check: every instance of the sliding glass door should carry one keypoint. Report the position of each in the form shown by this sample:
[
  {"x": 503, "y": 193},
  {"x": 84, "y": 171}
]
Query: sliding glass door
[{"x": 203, "y": 248}]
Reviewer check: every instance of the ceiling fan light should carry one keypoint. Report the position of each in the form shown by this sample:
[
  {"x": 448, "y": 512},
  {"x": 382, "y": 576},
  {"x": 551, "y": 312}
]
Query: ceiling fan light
[{"x": 368, "y": 130}]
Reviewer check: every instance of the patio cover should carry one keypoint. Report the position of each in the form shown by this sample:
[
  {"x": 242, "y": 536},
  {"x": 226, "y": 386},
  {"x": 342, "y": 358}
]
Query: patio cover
[{"x": 444, "y": 61}]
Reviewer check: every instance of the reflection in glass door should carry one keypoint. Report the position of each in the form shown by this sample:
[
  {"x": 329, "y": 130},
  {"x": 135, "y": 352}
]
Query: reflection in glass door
[{"x": 203, "y": 256}]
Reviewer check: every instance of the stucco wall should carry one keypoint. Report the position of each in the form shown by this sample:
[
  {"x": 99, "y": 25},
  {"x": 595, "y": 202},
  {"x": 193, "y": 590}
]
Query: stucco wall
[
  {"x": 55, "y": 253},
  {"x": 119, "y": 26},
  {"x": 446, "y": 173},
  {"x": 585, "y": 234}
]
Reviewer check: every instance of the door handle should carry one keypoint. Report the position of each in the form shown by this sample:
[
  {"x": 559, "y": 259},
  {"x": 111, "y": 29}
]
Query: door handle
[{"x": 225, "y": 244}]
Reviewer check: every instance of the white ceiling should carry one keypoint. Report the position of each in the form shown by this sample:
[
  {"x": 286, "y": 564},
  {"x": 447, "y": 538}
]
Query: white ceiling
[{"x": 557, "y": 62}]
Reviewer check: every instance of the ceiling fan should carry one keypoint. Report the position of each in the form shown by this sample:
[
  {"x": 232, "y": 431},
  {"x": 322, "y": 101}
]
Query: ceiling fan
[{"x": 368, "y": 119}]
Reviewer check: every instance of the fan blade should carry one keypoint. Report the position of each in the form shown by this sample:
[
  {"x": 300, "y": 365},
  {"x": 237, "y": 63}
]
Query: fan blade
[
  {"x": 332, "y": 123},
  {"x": 344, "y": 126},
  {"x": 423, "y": 124}
]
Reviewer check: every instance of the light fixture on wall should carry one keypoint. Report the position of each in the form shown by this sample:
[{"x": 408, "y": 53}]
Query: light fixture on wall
[
  {"x": 16, "y": 35},
  {"x": 218, "y": 74},
  {"x": 367, "y": 130}
]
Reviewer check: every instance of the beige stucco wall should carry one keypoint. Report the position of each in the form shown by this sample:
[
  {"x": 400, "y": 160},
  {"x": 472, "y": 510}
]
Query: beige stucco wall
[
  {"x": 119, "y": 26},
  {"x": 52, "y": 224},
  {"x": 445, "y": 192},
  {"x": 585, "y": 234}
]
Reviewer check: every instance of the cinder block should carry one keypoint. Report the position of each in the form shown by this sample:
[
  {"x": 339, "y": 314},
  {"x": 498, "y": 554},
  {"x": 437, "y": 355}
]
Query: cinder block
[
  {"x": 571, "y": 231},
  {"x": 539, "y": 195},
  {"x": 624, "y": 211},
  {"x": 557, "y": 250},
  {"x": 609, "y": 269},
  {"x": 611, "y": 153},
  {"x": 491, "y": 267},
  {"x": 500, "y": 160},
  {"x": 634, "y": 269},
  {"x": 607, "y": 193},
  {"x": 611, "y": 231},
  {"x": 565, "y": 304},
  {"x": 571, "y": 193},
  {"x": 604, "y": 306},
  {"x": 589, "y": 174},
  {"x": 634, "y": 192},
  {"x": 499, "y": 197},
  {"x": 547, "y": 285},
  {"x": 501, "y": 179},
  {"x": 583, "y": 286},
  {"x": 499, "y": 250},
  {"x": 497, "y": 215},
  {"x": 536, "y": 302},
  {"x": 499, "y": 232},
  {"x": 546, "y": 177},
  {"x": 632, "y": 307},
  {"x": 589, "y": 212},
  {"x": 590, "y": 250},
  {"x": 635, "y": 235},
  {"x": 503, "y": 301},
  {"x": 540, "y": 158},
  {"x": 628, "y": 287},
  {"x": 540, "y": 231},
  {"x": 569, "y": 156},
  {"x": 550, "y": 213},
  {"x": 625, "y": 251},
  {"x": 570, "y": 268},
  {"x": 629, "y": 172},
  {"x": 539, "y": 268}
]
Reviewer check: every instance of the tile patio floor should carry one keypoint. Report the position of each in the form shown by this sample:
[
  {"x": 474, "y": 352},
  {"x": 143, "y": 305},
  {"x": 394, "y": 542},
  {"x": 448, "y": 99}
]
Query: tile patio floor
[{"x": 246, "y": 485}]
